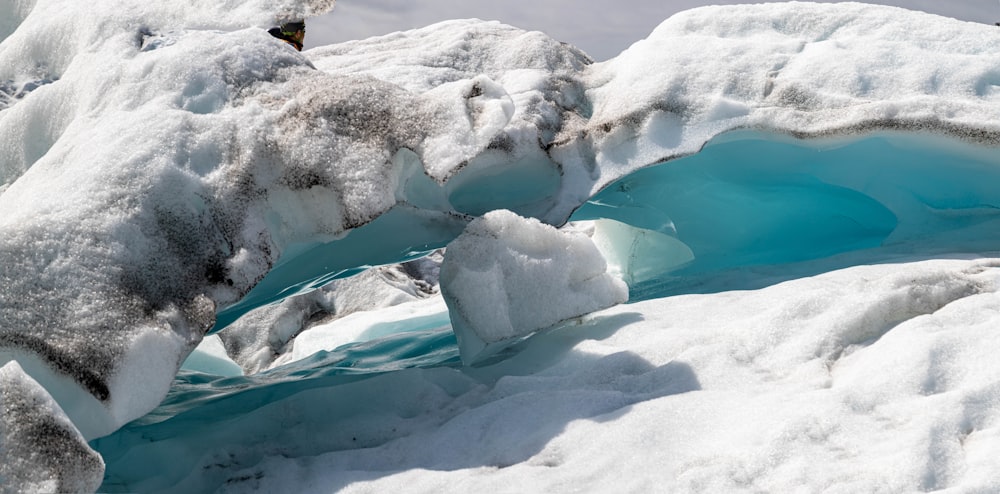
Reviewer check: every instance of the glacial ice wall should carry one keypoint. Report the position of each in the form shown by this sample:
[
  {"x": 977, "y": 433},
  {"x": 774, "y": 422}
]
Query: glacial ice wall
[{"x": 165, "y": 169}]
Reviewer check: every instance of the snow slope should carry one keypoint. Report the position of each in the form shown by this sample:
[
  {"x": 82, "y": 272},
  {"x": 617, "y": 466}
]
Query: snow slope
[
  {"x": 869, "y": 379},
  {"x": 168, "y": 169}
]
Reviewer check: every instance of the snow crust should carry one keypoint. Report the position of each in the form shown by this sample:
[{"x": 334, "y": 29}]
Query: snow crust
[{"x": 166, "y": 169}]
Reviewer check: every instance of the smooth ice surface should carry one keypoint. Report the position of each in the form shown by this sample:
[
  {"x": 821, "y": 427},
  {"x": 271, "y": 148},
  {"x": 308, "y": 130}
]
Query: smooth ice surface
[
  {"x": 210, "y": 357},
  {"x": 167, "y": 169},
  {"x": 507, "y": 277},
  {"x": 372, "y": 324}
]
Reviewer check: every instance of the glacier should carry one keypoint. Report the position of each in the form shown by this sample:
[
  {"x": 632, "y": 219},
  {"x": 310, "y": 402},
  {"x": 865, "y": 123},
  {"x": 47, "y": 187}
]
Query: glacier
[{"x": 223, "y": 266}]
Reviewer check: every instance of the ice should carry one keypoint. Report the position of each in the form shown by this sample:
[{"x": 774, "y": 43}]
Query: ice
[
  {"x": 184, "y": 165},
  {"x": 799, "y": 196},
  {"x": 268, "y": 336},
  {"x": 210, "y": 357},
  {"x": 372, "y": 324},
  {"x": 40, "y": 449},
  {"x": 799, "y": 68},
  {"x": 774, "y": 389},
  {"x": 638, "y": 254},
  {"x": 752, "y": 198},
  {"x": 507, "y": 277}
]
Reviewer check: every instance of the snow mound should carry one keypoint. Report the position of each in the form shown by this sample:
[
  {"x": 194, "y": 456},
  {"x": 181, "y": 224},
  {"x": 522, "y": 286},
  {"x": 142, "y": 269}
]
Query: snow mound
[
  {"x": 864, "y": 378},
  {"x": 798, "y": 68}
]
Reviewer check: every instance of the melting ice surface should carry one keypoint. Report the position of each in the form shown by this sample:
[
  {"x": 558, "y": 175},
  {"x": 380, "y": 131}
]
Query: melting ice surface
[{"x": 801, "y": 199}]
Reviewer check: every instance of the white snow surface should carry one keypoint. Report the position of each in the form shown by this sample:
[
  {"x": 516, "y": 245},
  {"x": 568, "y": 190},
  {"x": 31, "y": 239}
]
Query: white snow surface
[
  {"x": 600, "y": 31},
  {"x": 161, "y": 162}
]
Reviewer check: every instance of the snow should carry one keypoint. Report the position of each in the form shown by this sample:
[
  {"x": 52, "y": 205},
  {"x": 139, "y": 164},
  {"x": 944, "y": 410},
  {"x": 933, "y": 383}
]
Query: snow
[
  {"x": 40, "y": 449},
  {"x": 810, "y": 70},
  {"x": 507, "y": 277},
  {"x": 798, "y": 196},
  {"x": 873, "y": 377},
  {"x": 590, "y": 25}
]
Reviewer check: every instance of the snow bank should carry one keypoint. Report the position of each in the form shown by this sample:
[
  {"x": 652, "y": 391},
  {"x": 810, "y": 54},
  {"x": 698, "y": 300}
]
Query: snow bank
[
  {"x": 507, "y": 277},
  {"x": 798, "y": 68},
  {"x": 113, "y": 220}
]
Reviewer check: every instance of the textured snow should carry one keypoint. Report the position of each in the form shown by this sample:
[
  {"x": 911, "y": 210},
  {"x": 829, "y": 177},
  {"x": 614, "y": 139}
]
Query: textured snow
[
  {"x": 798, "y": 68},
  {"x": 892, "y": 388},
  {"x": 507, "y": 277},
  {"x": 170, "y": 170},
  {"x": 40, "y": 449},
  {"x": 600, "y": 31},
  {"x": 184, "y": 164},
  {"x": 868, "y": 378}
]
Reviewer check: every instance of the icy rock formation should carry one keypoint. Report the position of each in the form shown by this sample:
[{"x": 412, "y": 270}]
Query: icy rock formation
[
  {"x": 40, "y": 449},
  {"x": 506, "y": 277}
]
